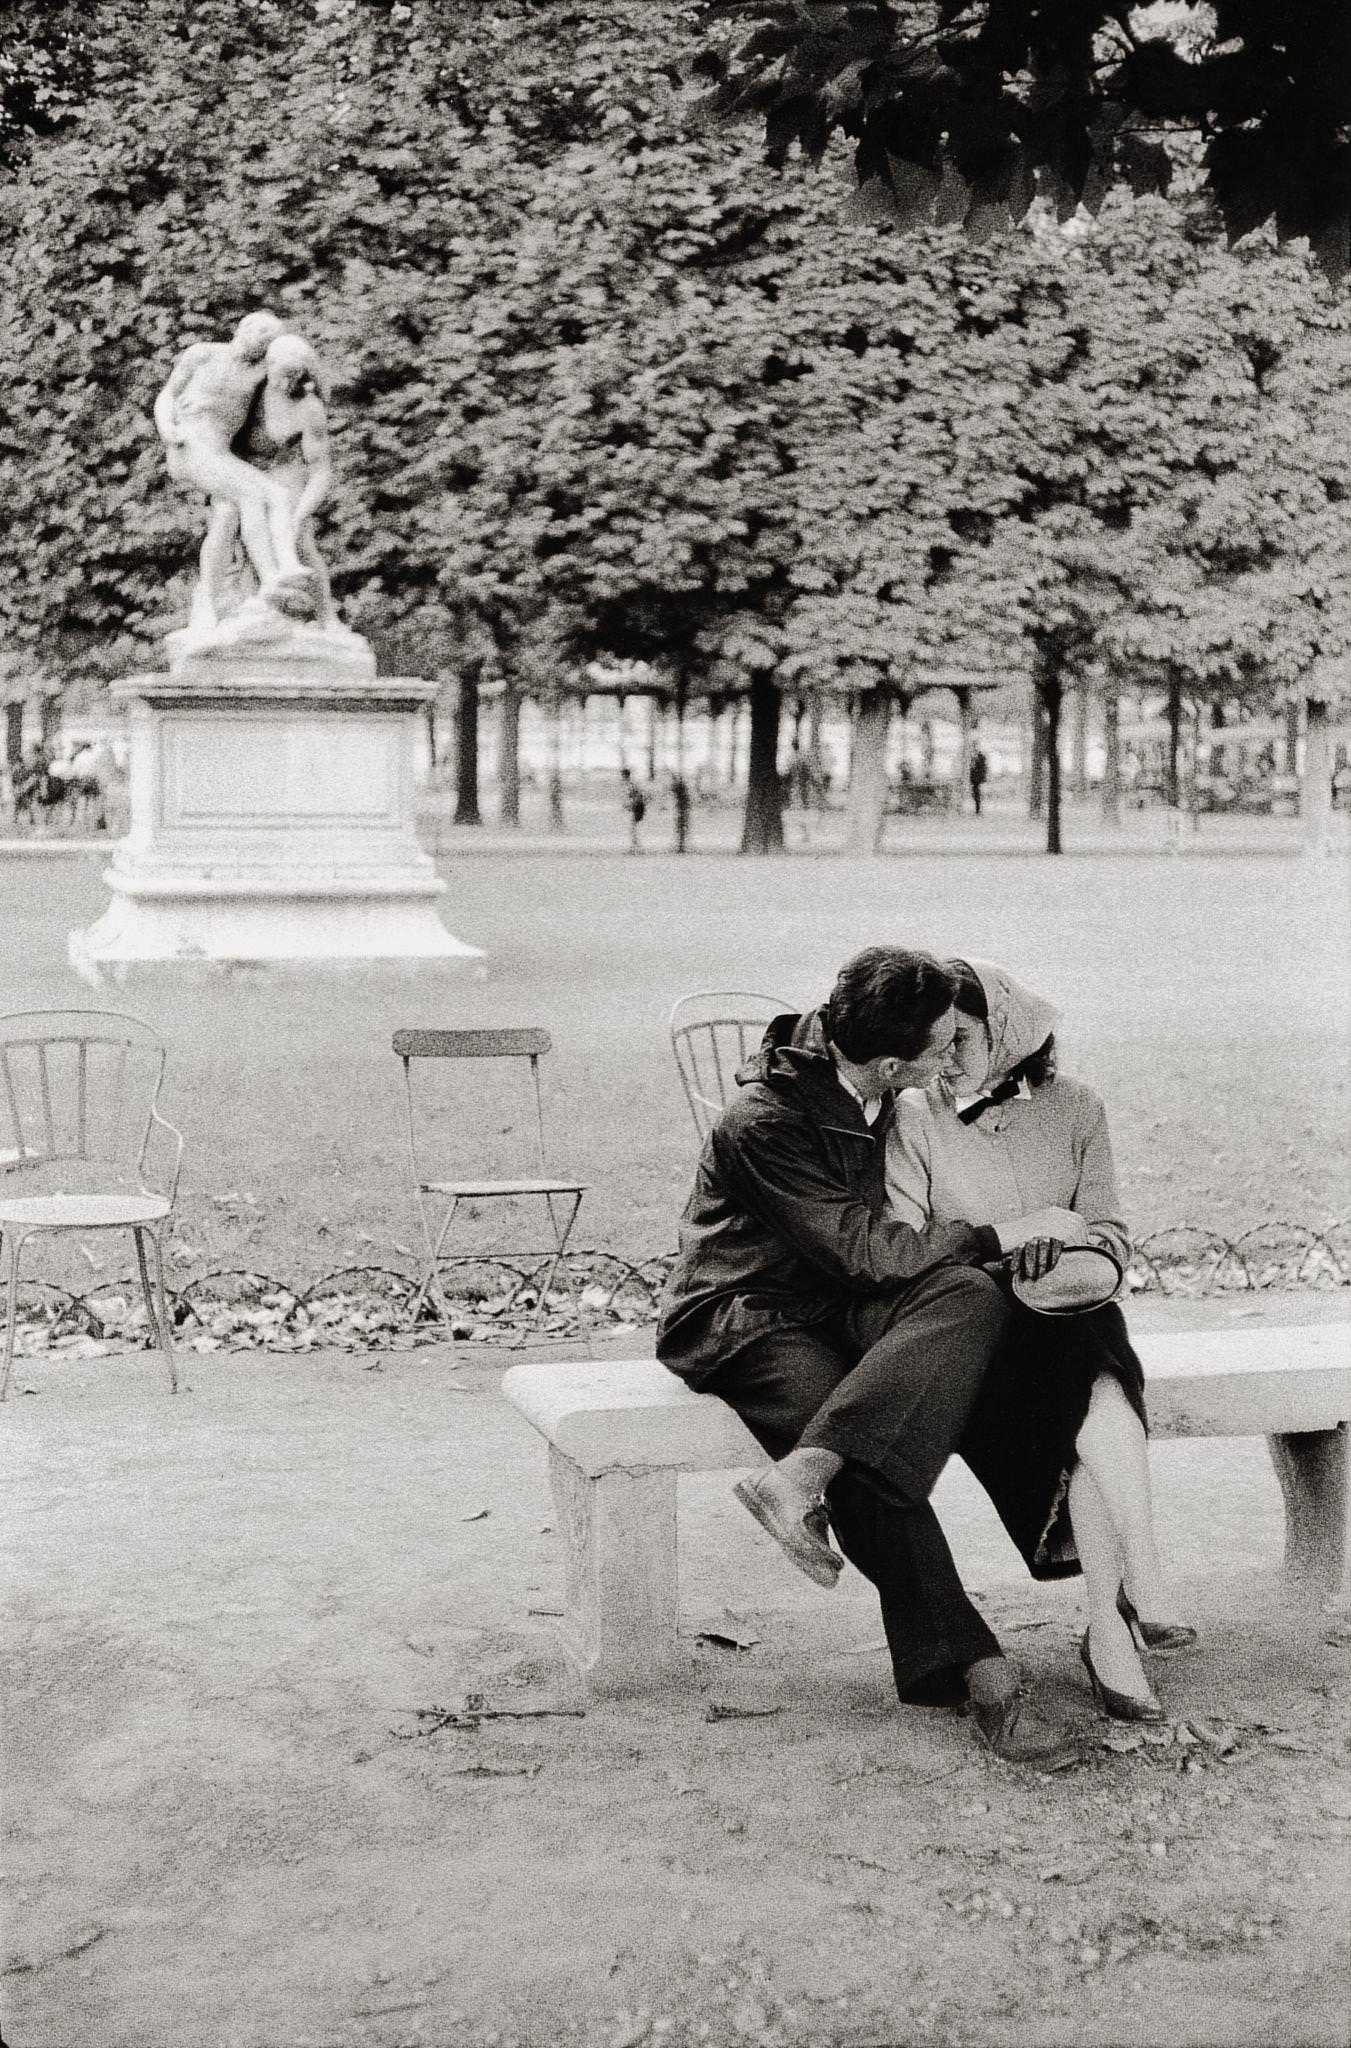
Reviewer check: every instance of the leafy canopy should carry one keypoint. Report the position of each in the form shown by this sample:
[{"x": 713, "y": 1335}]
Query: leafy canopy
[{"x": 971, "y": 110}]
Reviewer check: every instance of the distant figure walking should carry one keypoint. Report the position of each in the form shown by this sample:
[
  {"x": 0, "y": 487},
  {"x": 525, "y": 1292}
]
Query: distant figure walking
[
  {"x": 978, "y": 774},
  {"x": 635, "y": 802},
  {"x": 680, "y": 800},
  {"x": 804, "y": 788}
]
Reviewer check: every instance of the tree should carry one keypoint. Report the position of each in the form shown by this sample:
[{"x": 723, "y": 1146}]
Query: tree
[
  {"x": 47, "y": 65},
  {"x": 970, "y": 111},
  {"x": 606, "y": 388}
]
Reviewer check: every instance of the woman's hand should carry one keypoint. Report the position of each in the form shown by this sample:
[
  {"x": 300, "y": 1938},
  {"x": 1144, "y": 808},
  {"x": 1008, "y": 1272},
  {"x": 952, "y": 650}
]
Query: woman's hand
[
  {"x": 1035, "y": 1258},
  {"x": 1062, "y": 1224}
]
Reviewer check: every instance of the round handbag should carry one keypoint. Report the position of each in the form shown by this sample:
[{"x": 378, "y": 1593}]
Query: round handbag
[{"x": 1085, "y": 1276}]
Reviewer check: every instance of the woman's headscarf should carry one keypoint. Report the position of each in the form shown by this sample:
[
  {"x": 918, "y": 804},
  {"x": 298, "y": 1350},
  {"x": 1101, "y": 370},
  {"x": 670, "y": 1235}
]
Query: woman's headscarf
[{"x": 1019, "y": 1021}]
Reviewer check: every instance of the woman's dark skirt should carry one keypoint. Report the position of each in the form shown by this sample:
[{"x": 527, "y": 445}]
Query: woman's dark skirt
[{"x": 1020, "y": 1439}]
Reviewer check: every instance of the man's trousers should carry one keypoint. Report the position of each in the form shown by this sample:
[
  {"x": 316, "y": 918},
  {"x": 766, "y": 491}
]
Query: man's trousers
[{"x": 888, "y": 1385}]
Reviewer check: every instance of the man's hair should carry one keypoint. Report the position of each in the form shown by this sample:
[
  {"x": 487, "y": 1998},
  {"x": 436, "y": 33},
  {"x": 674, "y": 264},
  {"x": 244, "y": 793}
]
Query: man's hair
[{"x": 885, "y": 1003}]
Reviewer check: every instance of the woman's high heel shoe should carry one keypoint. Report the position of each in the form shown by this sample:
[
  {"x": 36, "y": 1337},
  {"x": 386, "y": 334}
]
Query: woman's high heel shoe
[
  {"x": 1122, "y": 1706},
  {"x": 1154, "y": 1635}
]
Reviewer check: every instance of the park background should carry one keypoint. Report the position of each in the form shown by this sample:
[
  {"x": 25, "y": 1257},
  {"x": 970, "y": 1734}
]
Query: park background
[{"x": 622, "y": 411}]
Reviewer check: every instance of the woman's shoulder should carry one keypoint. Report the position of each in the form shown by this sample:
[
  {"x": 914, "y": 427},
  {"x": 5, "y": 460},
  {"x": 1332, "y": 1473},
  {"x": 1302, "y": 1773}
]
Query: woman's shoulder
[{"x": 1072, "y": 1098}]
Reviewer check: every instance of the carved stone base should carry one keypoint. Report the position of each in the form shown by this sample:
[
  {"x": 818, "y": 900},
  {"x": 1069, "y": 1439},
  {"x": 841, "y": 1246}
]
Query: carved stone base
[{"x": 271, "y": 819}]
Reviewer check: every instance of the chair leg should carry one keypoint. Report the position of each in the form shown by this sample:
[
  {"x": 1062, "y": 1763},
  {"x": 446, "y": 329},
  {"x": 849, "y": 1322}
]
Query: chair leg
[
  {"x": 431, "y": 1279},
  {"x": 157, "y": 1313},
  {"x": 561, "y": 1240},
  {"x": 13, "y": 1249}
]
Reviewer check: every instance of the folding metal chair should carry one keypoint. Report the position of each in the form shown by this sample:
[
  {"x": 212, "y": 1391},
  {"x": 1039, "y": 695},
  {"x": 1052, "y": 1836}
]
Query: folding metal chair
[
  {"x": 713, "y": 1034},
  {"x": 83, "y": 1146},
  {"x": 528, "y": 1043}
]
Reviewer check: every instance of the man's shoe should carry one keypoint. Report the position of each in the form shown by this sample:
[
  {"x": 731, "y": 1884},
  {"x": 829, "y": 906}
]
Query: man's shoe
[
  {"x": 799, "y": 1527},
  {"x": 1016, "y": 1732}
]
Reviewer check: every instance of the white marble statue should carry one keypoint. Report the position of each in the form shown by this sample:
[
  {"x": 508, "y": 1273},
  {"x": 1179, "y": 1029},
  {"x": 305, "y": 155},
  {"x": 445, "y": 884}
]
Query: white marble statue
[{"x": 244, "y": 421}]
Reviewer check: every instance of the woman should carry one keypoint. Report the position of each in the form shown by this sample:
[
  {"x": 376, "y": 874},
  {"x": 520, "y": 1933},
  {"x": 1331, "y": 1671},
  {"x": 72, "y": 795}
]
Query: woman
[{"x": 1058, "y": 1437}]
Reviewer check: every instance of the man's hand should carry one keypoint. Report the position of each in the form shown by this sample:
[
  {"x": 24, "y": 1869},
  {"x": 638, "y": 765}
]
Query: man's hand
[
  {"x": 1034, "y": 1259},
  {"x": 1061, "y": 1224}
]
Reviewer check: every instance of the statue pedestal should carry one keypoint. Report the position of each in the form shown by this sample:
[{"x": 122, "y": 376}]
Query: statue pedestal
[{"x": 271, "y": 817}]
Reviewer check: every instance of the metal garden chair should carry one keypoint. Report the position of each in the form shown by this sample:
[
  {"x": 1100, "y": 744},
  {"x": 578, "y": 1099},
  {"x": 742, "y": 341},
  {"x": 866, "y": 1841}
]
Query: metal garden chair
[
  {"x": 83, "y": 1146},
  {"x": 712, "y": 1034},
  {"x": 524, "y": 1043}
]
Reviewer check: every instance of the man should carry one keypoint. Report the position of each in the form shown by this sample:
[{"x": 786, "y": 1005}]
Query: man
[
  {"x": 635, "y": 803},
  {"x": 979, "y": 774},
  {"x": 852, "y": 1346},
  {"x": 202, "y": 407}
]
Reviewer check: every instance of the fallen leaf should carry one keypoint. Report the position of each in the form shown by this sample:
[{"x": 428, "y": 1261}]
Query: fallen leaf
[
  {"x": 496, "y": 1770},
  {"x": 725, "y": 1639},
  {"x": 479, "y": 1515},
  {"x": 1070, "y": 1873},
  {"x": 720, "y": 1711}
]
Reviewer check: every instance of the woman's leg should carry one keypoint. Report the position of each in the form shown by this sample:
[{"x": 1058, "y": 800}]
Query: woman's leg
[
  {"x": 1110, "y": 1642},
  {"x": 1112, "y": 1445}
]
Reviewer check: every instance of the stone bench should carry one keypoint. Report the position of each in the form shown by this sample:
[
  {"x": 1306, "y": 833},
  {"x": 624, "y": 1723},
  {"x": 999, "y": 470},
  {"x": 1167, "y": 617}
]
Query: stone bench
[{"x": 620, "y": 1431}]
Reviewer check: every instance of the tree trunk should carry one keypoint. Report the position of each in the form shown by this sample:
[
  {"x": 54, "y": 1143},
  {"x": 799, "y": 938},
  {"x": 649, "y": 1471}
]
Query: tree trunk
[
  {"x": 762, "y": 820},
  {"x": 1111, "y": 777},
  {"x": 556, "y": 823},
  {"x": 653, "y": 718},
  {"x": 1052, "y": 696},
  {"x": 1315, "y": 797},
  {"x": 1292, "y": 737},
  {"x": 1171, "y": 779},
  {"x": 466, "y": 750},
  {"x": 1036, "y": 773},
  {"x": 868, "y": 771},
  {"x": 509, "y": 755},
  {"x": 1079, "y": 740},
  {"x": 14, "y": 734},
  {"x": 814, "y": 749}
]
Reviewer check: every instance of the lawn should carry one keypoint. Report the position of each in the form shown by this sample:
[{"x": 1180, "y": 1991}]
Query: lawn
[{"x": 1208, "y": 997}]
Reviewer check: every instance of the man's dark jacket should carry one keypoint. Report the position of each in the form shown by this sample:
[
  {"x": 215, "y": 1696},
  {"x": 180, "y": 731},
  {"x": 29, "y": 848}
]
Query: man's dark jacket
[{"x": 788, "y": 1219}]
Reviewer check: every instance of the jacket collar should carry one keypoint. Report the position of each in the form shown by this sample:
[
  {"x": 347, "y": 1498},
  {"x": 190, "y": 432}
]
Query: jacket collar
[{"x": 795, "y": 1057}]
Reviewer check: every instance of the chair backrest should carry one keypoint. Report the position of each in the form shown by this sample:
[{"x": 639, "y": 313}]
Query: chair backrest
[
  {"x": 517, "y": 1042},
  {"x": 712, "y": 1034},
  {"x": 77, "y": 1085}
]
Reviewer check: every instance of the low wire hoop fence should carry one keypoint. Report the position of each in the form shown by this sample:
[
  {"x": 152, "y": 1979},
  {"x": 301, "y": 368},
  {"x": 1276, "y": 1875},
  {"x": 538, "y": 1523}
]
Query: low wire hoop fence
[{"x": 494, "y": 1300}]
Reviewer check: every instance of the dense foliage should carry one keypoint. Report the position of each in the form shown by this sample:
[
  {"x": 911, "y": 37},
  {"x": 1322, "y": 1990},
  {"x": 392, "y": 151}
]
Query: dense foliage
[
  {"x": 606, "y": 383},
  {"x": 47, "y": 65},
  {"x": 972, "y": 110}
]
